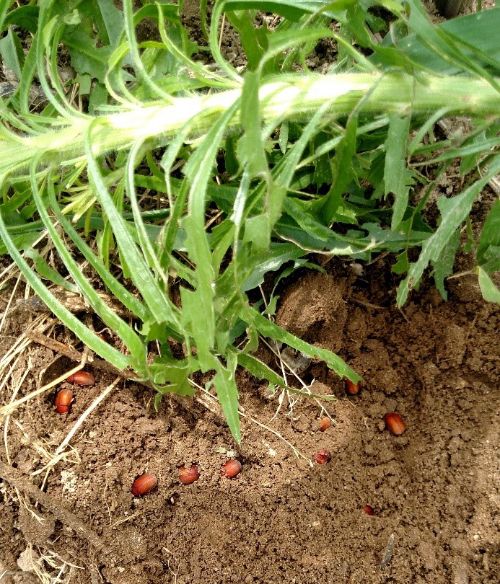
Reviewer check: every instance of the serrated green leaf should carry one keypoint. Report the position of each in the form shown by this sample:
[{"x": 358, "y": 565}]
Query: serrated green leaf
[
  {"x": 443, "y": 266},
  {"x": 227, "y": 393},
  {"x": 395, "y": 173},
  {"x": 336, "y": 244},
  {"x": 198, "y": 170},
  {"x": 98, "y": 98},
  {"x": 260, "y": 370},
  {"x": 11, "y": 53},
  {"x": 402, "y": 264},
  {"x": 279, "y": 254},
  {"x": 251, "y": 147},
  {"x": 447, "y": 45},
  {"x": 490, "y": 234},
  {"x": 477, "y": 31},
  {"x": 258, "y": 232},
  {"x": 302, "y": 213},
  {"x": 22, "y": 242},
  {"x": 252, "y": 39},
  {"x": 113, "y": 20},
  {"x": 172, "y": 375},
  {"x": 453, "y": 213},
  {"x": 86, "y": 58},
  {"x": 268, "y": 329},
  {"x": 48, "y": 273},
  {"x": 198, "y": 320},
  {"x": 343, "y": 170}
]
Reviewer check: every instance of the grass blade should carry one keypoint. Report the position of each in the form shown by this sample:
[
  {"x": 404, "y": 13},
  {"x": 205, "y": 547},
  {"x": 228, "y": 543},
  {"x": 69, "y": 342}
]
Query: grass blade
[
  {"x": 273, "y": 331},
  {"x": 94, "y": 342},
  {"x": 112, "y": 284},
  {"x": 109, "y": 317},
  {"x": 161, "y": 308}
]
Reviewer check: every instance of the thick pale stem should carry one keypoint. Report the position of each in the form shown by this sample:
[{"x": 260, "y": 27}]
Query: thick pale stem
[{"x": 280, "y": 99}]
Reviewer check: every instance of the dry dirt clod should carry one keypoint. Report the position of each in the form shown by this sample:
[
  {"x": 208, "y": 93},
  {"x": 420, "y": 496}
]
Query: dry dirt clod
[{"x": 312, "y": 305}]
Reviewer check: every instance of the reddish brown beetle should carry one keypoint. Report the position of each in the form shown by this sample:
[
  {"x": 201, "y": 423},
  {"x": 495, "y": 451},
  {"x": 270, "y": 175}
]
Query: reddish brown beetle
[
  {"x": 64, "y": 399},
  {"x": 324, "y": 424},
  {"x": 394, "y": 423},
  {"x": 144, "y": 484},
  {"x": 82, "y": 378},
  {"x": 368, "y": 509},
  {"x": 231, "y": 468},
  {"x": 189, "y": 474},
  {"x": 322, "y": 456},
  {"x": 351, "y": 388}
]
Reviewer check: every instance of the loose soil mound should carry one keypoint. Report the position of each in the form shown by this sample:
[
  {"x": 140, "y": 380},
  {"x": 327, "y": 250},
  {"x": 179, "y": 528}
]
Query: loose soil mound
[{"x": 432, "y": 489}]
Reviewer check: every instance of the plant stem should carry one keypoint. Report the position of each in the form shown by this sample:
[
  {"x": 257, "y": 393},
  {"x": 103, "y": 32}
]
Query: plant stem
[{"x": 280, "y": 99}]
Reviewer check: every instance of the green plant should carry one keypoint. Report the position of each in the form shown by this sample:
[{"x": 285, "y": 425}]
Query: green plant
[{"x": 183, "y": 182}]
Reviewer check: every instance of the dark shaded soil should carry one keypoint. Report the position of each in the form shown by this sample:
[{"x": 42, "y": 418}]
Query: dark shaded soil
[{"x": 281, "y": 520}]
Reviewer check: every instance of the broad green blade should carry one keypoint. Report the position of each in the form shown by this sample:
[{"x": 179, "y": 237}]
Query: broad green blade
[
  {"x": 488, "y": 289},
  {"x": 227, "y": 392},
  {"x": 396, "y": 175},
  {"x": 478, "y": 33}
]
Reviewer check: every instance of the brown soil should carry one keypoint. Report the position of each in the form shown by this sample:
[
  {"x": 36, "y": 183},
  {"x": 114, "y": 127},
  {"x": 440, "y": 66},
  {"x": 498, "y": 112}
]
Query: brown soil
[
  {"x": 280, "y": 520},
  {"x": 433, "y": 489}
]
